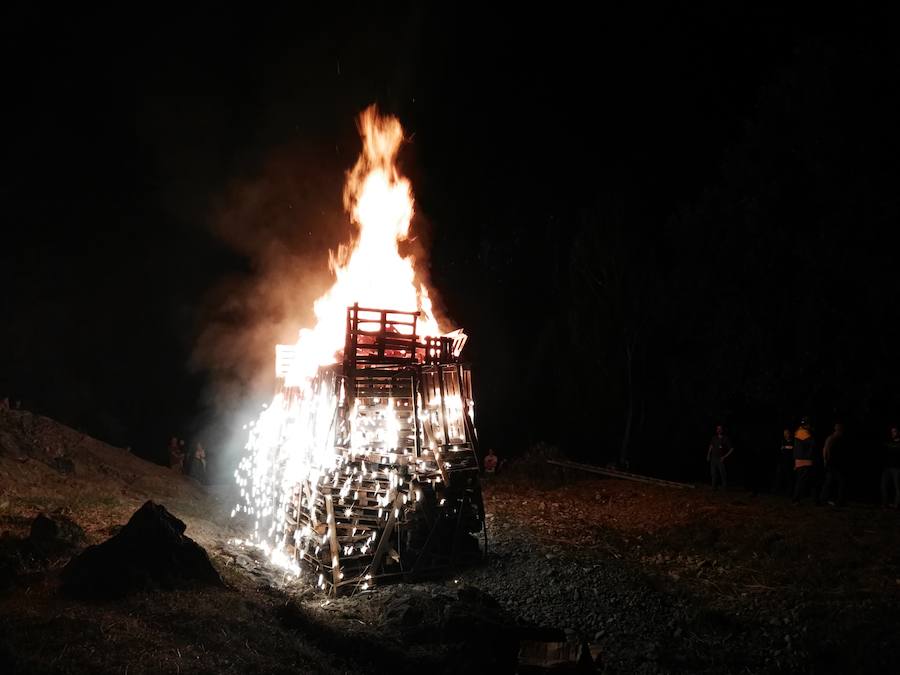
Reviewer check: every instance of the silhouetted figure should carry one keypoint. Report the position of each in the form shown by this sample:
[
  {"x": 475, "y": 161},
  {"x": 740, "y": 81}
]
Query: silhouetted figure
[
  {"x": 890, "y": 474},
  {"x": 834, "y": 456},
  {"x": 784, "y": 465},
  {"x": 198, "y": 464},
  {"x": 490, "y": 464},
  {"x": 719, "y": 450},
  {"x": 176, "y": 455},
  {"x": 4, "y": 403},
  {"x": 803, "y": 459}
]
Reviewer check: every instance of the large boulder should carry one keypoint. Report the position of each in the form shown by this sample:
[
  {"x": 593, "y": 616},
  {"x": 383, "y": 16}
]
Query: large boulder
[{"x": 150, "y": 552}]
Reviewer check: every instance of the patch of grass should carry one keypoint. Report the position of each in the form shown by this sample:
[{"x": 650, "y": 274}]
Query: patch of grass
[{"x": 201, "y": 631}]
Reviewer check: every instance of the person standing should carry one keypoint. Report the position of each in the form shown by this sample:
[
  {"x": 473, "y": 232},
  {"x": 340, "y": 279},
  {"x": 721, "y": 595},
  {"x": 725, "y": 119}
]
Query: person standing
[
  {"x": 891, "y": 468},
  {"x": 490, "y": 463},
  {"x": 834, "y": 456},
  {"x": 198, "y": 464},
  {"x": 784, "y": 465},
  {"x": 176, "y": 455},
  {"x": 803, "y": 459},
  {"x": 719, "y": 450}
]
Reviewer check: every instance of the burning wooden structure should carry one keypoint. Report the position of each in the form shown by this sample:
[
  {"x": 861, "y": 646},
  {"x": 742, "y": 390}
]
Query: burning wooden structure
[{"x": 397, "y": 493}]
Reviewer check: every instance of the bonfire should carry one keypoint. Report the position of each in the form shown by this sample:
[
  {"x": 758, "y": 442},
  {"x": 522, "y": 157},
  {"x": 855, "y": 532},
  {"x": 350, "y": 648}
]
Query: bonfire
[{"x": 364, "y": 466}]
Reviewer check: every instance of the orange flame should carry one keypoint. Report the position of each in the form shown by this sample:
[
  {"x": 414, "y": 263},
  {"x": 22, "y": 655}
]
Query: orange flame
[{"x": 369, "y": 271}]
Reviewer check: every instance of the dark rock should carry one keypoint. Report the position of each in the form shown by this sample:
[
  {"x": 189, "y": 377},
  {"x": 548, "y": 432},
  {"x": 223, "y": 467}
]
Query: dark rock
[
  {"x": 11, "y": 564},
  {"x": 150, "y": 552},
  {"x": 416, "y": 615},
  {"x": 480, "y": 635},
  {"x": 55, "y": 535},
  {"x": 474, "y": 595},
  {"x": 408, "y": 614},
  {"x": 476, "y": 617},
  {"x": 63, "y": 465}
]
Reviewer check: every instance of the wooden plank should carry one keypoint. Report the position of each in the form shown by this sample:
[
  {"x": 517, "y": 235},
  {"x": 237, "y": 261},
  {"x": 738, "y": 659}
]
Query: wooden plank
[
  {"x": 414, "y": 409},
  {"x": 385, "y": 536},
  {"x": 615, "y": 473},
  {"x": 364, "y": 359},
  {"x": 361, "y": 489},
  {"x": 370, "y": 390},
  {"x": 311, "y": 504},
  {"x": 335, "y": 546},
  {"x": 392, "y": 312}
]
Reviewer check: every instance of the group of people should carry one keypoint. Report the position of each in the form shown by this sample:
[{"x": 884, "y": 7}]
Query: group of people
[
  {"x": 191, "y": 463},
  {"x": 801, "y": 469},
  {"x": 5, "y": 404}
]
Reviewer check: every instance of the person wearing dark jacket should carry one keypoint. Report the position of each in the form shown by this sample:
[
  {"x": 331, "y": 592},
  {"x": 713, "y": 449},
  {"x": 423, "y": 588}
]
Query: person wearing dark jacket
[
  {"x": 719, "y": 450},
  {"x": 197, "y": 467},
  {"x": 784, "y": 465},
  {"x": 834, "y": 455},
  {"x": 891, "y": 470},
  {"x": 803, "y": 459},
  {"x": 176, "y": 455}
]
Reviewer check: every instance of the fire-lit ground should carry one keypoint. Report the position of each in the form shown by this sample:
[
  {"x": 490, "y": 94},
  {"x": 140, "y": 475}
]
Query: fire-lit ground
[
  {"x": 696, "y": 581},
  {"x": 659, "y": 579}
]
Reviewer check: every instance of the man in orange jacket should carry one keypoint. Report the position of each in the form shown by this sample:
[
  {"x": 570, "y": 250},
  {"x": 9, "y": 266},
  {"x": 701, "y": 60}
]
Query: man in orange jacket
[{"x": 803, "y": 459}]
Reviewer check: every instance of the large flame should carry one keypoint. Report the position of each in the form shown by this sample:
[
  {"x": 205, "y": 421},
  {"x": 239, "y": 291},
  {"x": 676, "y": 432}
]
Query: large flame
[{"x": 369, "y": 271}]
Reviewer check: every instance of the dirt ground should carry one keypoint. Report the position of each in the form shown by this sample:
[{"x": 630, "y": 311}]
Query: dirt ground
[
  {"x": 655, "y": 579},
  {"x": 688, "y": 580}
]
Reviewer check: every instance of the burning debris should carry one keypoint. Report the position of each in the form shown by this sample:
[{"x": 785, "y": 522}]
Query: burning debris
[
  {"x": 400, "y": 494},
  {"x": 364, "y": 466}
]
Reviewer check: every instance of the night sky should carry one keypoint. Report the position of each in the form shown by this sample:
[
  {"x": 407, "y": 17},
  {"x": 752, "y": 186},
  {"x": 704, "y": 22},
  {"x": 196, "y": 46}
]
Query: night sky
[{"x": 648, "y": 221}]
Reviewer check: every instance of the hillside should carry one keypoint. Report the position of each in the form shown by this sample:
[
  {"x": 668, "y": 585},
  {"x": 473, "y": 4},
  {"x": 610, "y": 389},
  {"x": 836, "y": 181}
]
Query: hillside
[{"x": 46, "y": 466}]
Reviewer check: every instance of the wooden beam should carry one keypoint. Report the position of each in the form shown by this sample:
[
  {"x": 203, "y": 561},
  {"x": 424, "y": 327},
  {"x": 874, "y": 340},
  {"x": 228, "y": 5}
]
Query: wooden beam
[
  {"x": 385, "y": 536},
  {"x": 335, "y": 546},
  {"x": 615, "y": 473}
]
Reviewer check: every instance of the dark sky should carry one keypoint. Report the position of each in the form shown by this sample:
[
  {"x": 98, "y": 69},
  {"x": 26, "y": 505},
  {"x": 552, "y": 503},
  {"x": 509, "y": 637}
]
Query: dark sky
[{"x": 173, "y": 183}]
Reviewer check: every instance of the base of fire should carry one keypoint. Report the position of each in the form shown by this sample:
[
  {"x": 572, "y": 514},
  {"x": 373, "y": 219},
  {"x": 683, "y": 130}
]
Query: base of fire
[{"x": 376, "y": 459}]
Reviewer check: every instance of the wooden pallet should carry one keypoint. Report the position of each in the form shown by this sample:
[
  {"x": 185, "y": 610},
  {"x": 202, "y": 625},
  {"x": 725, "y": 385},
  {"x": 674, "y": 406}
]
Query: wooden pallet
[{"x": 402, "y": 497}]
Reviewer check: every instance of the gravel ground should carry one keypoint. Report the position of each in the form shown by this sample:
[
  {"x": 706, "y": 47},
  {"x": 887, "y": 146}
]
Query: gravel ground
[
  {"x": 657, "y": 580},
  {"x": 668, "y": 580}
]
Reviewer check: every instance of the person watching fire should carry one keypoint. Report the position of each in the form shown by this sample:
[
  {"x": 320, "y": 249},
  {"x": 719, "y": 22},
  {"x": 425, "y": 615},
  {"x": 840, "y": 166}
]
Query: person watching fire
[
  {"x": 784, "y": 466},
  {"x": 804, "y": 444},
  {"x": 890, "y": 475},
  {"x": 490, "y": 463},
  {"x": 176, "y": 455},
  {"x": 834, "y": 459},
  {"x": 720, "y": 449}
]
